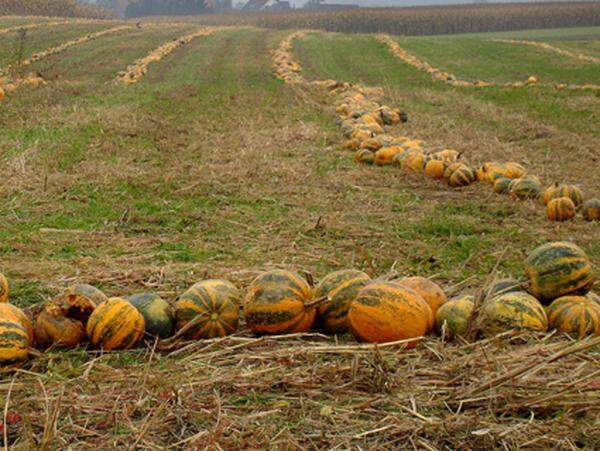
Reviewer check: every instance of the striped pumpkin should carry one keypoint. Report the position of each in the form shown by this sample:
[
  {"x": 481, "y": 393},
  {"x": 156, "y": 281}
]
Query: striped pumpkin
[
  {"x": 591, "y": 210},
  {"x": 14, "y": 342},
  {"x": 3, "y": 288},
  {"x": 573, "y": 192},
  {"x": 577, "y": 316},
  {"x": 502, "y": 185},
  {"x": 435, "y": 169},
  {"x": 525, "y": 188},
  {"x": 387, "y": 311},
  {"x": 412, "y": 160},
  {"x": 452, "y": 318},
  {"x": 12, "y": 313},
  {"x": 340, "y": 288},
  {"x": 385, "y": 155},
  {"x": 431, "y": 292},
  {"x": 364, "y": 156},
  {"x": 115, "y": 324},
  {"x": 276, "y": 303},
  {"x": 560, "y": 209},
  {"x": 463, "y": 176},
  {"x": 558, "y": 269},
  {"x": 158, "y": 314},
  {"x": 518, "y": 311},
  {"x": 213, "y": 305},
  {"x": 549, "y": 193}
]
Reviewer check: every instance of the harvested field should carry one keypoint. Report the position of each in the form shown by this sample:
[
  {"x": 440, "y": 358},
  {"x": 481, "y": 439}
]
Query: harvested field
[{"x": 209, "y": 166}]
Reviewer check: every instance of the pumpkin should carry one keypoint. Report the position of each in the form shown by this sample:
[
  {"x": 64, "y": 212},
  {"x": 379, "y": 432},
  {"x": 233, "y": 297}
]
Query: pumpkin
[
  {"x": 560, "y": 209},
  {"x": 452, "y": 318},
  {"x": 3, "y": 288},
  {"x": 62, "y": 322},
  {"x": 370, "y": 118},
  {"x": 364, "y": 156},
  {"x": 435, "y": 169},
  {"x": 14, "y": 342},
  {"x": 517, "y": 310},
  {"x": 451, "y": 168},
  {"x": 115, "y": 324},
  {"x": 549, "y": 193},
  {"x": 387, "y": 311},
  {"x": 573, "y": 192},
  {"x": 12, "y": 313},
  {"x": 430, "y": 291},
  {"x": 463, "y": 176},
  {"x": 158, "y": 314},
  {"x": 525, "y": 188},
  {"x": 558, "y": 269},
  {"x": 385, "y": 155},
  {"x": 351, "y": 144},
  {"x": 502, "y": 185},
  {"x": 372, "y": 144},
  {"x": 52, "y": 328},
  {"x": 577, "y": 316},
  {"x": 413, "y": 160},
  {"x": 389, "y": 116},
  {"x": 501, "y": 286},
  {"x": 213, "y": 305},
  {"x": 277, "y": 303},
  {"x": 591, "y": 210},
  {"x": 340, "y": 288}
]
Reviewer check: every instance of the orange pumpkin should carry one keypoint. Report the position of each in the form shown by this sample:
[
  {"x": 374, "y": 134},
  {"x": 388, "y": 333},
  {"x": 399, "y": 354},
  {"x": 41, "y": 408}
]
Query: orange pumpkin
[
  {"x": 213, "y": 305},
  {"x": 385, "y": 155},
  {"x": 54, "y": 328},
  {"x": 387, "y": 311},
  {"x": 276, "y": 303},
  {"x": 115, "y": 324},
  {"x": 12, "y": 313},
  {"x": 431, "y": 292},
  {"x": 435, "y": 169},
  {"x": 560, "y": 209},
  {"x": 577, "y": 316}
]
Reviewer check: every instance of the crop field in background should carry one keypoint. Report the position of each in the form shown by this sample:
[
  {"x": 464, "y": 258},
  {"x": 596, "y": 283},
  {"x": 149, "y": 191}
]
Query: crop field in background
[{"x": 211, "y": 167}]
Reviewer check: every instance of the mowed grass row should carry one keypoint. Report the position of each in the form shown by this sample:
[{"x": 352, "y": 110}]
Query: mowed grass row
[
  {"x": 13, "y": 45},
  {"x": 210, "y": 166},
  {"x": 550, "y": 131}
]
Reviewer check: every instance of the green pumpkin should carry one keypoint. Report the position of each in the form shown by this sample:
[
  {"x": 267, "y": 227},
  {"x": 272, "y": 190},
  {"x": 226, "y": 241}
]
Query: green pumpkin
[{"x": 157, "y": 313}]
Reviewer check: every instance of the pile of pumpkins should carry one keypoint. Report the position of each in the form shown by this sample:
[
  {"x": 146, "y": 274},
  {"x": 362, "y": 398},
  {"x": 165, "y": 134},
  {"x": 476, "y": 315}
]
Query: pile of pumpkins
[
  {"x": 450, "y": 79},
  {"x": 559, "y": 276},
  {"x": 139, "y": 68},
  {"x": 362, "y": 120}
]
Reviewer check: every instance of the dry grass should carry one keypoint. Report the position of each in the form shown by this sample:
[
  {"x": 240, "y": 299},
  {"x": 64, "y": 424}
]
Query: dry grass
[{"x": 308, "y": 391}]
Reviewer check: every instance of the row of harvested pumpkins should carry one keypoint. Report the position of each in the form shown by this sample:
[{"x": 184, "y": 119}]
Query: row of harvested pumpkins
[
  {"x": 362, "y": 121},
  {"x": 559, "y": 275}
]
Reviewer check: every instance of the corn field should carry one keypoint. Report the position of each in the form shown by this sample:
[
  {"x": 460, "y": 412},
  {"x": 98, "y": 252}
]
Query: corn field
[
  {"x": 59, "y": 8},
  {"x": 430, "y": 20}
]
